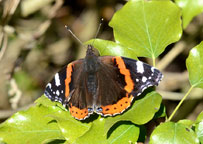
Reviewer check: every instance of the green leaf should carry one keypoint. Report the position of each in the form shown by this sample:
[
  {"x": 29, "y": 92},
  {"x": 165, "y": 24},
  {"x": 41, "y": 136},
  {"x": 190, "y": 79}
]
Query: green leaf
[
  {"x": 31, "y": 126},
  {"x": 43, "y": 100},
  {"x": 173, "y": 133},
  {"x": 147, "y": 27},
  {"x": 186, "y": 122},
  {"x": 70, "y": 127},
  {"x": 141, "y": 112},
  {"x": 124, "y": 132},
  {"x": 194, "y": 65},
  {"x": 190, "y": 9},
  {"x": 95, "y": 134},
  {"x": 161, "y": 112},
  {"x": 106, "y": 47},
  {"x": 199, "y": 127}
]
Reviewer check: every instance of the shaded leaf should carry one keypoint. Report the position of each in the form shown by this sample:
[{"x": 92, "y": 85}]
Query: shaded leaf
[
  {"x": 190, "y": 9},
  {"x": 106, "y": 47},
  {"x": 161, "y": 112},
  {"x": 173, "y": 133},
  {"x": 147, "y": 27},
  {"x": 31, "y": 126},
  {"x": 194, "y": 65},
  {"x": 141, "y": 112}
]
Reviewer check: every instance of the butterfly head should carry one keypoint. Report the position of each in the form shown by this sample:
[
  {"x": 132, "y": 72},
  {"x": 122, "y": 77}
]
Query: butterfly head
[{"x": 91, "y": 60}]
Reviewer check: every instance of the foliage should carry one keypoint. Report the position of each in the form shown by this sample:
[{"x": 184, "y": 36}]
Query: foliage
[{"x": 141, "y": 29}]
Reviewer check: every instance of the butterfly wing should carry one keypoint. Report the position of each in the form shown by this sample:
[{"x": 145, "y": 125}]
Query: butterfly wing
[
  {"x": 69, "y": 86},
  {"x": 120, "y": 80}
]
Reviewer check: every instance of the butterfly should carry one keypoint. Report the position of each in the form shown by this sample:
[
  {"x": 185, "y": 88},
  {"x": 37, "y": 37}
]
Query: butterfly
[{"x": 105, "y": 85}]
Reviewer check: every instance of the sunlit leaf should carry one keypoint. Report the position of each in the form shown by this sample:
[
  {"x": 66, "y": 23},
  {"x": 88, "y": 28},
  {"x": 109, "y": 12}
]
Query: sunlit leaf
[
  {"x": 141, "y": 112},
  {"x": 194, "y": 65},
  {"x": 124, "y": 132},
  {"x": 147, "y": 27},
  {"x": 199, "y": 127},
  {"x": 173, "y": 133},
  {"x": 106, "y": 47},
  {"x": 31, "y": 126},
  {"x": 190, "y": 9}
]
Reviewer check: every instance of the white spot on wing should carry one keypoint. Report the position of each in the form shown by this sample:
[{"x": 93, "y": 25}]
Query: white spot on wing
[
  {"x": 144, "y": 79},
  {"x": 137, "y": 80},
  {"x": 57, "y": 80},
  {"x": 49, "y": 85},
  {"x": 57, "y": 93},
  {"x": 152, "y": 69},
  {"x": 140, "y": 68}
]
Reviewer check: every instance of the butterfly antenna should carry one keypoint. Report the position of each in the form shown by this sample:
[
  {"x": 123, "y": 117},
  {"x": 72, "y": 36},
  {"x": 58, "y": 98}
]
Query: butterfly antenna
[
  {"x": 98, "y": 29},
  {"x": 74, "y": 35}
]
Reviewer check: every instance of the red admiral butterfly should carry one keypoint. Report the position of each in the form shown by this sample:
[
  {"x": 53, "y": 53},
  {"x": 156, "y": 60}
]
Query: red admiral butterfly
[{"x": 105, "y": 85}]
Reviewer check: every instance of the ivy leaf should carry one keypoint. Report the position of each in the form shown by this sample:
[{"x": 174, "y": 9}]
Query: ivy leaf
[
  {"x": 186, "y": 122},
  {"x": 142, "y": 111},
  {"x": 173, "y": 133},
  {"x": 190, "y": 9},
  {"x": 70, "y": 127},
  {"x": 194, "y": 65},
  {"x": 43, "y": 100},
  {"x": 95, "y": 134},
  {"x": 106, "y": 47},
  {"x": 199, "y": 127},
  {"x": 147, "y": 27},
  {"x": 31, "y": 126},
  {"x": 124, "y": 132}
]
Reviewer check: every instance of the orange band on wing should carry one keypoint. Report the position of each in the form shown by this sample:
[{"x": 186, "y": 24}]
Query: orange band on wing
[
  {"x": 119, "y": 107},
  {"x": 78, "y": 113},
  {"x": 123, "y": 70},
  {"x": 68, "y": 79}
]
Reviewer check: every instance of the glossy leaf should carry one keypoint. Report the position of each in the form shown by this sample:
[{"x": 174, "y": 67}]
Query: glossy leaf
[
  {"x": 106, "y": 47},
  {"x": 199, "y": 127},
  {"x": 43, "y": 100},
  {"x": 161, "y": 112},
  {"x": 124, "y": 132},
  {"x": 147, "y": 27},
  {"x": 190, "y": 9},
  {"x": 31, "y": 126},
  {"x": 186, "y": 122},
  {"x": 95, "y": 134},
  {"x": 173, "y": 133},
  {"x": 70, "y": 127},
  {"x": 142, "y": 111},
  {"x": 194, "y": 65}
]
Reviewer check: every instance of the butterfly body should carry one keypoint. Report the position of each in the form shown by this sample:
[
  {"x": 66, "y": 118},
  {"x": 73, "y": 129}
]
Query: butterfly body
[{"x": 105, "y": 85}]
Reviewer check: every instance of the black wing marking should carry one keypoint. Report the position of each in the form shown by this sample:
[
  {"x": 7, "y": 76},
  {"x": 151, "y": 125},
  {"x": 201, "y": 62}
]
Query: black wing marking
[{"x": 142, "y": 74}]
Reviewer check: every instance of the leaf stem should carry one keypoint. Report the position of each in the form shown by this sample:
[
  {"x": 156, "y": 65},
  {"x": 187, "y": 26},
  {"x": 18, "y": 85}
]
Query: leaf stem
[
  {"x": 178, "y": 106},
  {"x": 153, "y": 59}
]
